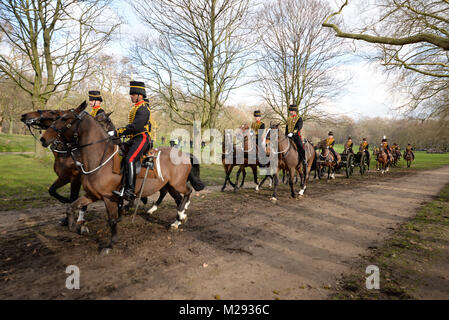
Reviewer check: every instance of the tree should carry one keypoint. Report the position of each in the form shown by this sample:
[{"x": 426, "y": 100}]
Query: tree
[
  {"x": 197, "y": 54},
  {"x": 297, "y": 57},
  {"x": 56, "y": 40},
  {"x": 412, "y": 36}
]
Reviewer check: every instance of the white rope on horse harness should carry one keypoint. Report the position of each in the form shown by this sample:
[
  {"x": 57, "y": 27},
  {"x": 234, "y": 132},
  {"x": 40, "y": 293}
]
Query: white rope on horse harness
[
  {"x": 79, "y": 164},
  {"x": 278, "y": 152}
]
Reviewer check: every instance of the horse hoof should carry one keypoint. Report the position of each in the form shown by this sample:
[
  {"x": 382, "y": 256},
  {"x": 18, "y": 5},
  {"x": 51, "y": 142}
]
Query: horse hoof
[
  {"x": 64, "y": 222},
  {"x": 153, "y": 209},
  {"x": 175, "y": 224},
  {"x": 84, "y": 230},
  {"x": 106, "y": 251}
]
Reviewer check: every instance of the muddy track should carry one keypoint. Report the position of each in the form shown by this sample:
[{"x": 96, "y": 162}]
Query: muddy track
[{"x": 234, "y": 245}]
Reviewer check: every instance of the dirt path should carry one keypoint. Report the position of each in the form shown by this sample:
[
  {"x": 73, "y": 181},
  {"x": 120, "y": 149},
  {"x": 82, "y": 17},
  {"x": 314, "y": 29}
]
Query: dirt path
[{"x": 236, "y": 246}]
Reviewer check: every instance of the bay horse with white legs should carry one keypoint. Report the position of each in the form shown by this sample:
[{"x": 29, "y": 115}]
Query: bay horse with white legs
[
  {"x": 325, "y": 159},
  {"x": 383, "y": 162},
  {"x": 64, "y": 166},
  {"x": 99, "y": 181},
  {"x": 288, "y": 159}
]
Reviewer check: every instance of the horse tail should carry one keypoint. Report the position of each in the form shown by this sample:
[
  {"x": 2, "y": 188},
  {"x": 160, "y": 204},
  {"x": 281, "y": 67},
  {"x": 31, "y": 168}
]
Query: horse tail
[{"x": 194, "y": 175}]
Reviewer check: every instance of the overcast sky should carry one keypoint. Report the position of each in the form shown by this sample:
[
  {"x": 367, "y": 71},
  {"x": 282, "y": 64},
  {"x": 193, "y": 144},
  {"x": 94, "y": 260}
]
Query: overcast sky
[{"x": 369, "y": 93}]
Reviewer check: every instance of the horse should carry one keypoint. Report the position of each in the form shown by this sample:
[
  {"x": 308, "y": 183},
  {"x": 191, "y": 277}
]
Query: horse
[
  {"x": 396, "y": 156},
  {"x": 383, "y": 162},
  {"x": 64, "y": 165},
  {"x": 325, "y": 159},
  {"x": 408, "y": 156},
  {"x": 228, "y": 164},
  {"x": 248, "y": 146},
  {"x": 368, "y": 158},
  {"x": 289, "y": 160},
  {"x": 96, "y": 151}
]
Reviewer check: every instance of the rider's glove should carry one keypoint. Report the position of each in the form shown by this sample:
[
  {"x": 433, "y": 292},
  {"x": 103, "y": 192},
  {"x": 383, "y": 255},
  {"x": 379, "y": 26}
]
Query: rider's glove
[
  {"x": 111, "y": 133},
  {"x": 290, "y": 135}
]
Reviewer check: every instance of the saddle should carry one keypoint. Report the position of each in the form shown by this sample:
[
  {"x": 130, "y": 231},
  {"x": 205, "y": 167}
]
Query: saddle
[{"x": 146, "y": 161}]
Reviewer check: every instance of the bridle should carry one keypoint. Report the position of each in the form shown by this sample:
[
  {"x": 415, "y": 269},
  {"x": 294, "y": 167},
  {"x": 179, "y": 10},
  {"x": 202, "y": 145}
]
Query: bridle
[
  {"x": 74, "y": 145},
  {"x": 36, "y": 123}
]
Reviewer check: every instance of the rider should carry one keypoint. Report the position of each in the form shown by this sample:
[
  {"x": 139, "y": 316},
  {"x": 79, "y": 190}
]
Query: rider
[
  {"x": 293, "y": 131},
  {"x": 95, "y": 101},
  {"x": 138, "y": 132},
  {"x": 349, "y": 145},
  {"x": 330, "y": 141},
  {"x": 364, "y": 147},
  {"x": 385, "y": 147},
  {"x": 257, "y": 125},
  {"x": 409, "y": 148}
]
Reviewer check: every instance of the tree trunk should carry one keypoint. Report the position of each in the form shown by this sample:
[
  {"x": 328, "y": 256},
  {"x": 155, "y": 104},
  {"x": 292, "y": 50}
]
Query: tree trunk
[{"x": 11, "y": 126}]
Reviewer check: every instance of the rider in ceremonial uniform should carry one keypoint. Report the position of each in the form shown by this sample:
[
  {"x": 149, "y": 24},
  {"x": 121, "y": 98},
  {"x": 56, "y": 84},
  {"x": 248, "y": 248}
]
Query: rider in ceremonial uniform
[
  {"x": 257, "y": 125},
  {"x": 386, "y": 147},
  {"x": 409, "y": 148},
  {"x": 138, "y": 133},
  {"x": 95, "y": 101},
  {"x": 330, "y": 141},
  {"x": 293, "y": 131},
  {"x": 364, "y": 147},
  {"x": 349, "y": 145}
]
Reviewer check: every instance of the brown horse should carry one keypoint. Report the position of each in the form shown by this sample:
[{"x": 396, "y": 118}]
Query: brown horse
[
  {"x": 99, "y": 181},
  {"x": 64, "y": 166},
  {"x": 248, "y": 147},
  {"x": 325, "y": 159},
  {"x": 228, "y": 150},
  {"x": 289, "y": 160},
  {"x": 383, "y": 162},
  {"x": 408, "y": 156}
]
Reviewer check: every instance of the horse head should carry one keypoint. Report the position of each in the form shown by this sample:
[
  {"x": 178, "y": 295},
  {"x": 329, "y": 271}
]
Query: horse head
[
  {"x": 64, "y": 127},
  {"x": 41, "y": 119}
]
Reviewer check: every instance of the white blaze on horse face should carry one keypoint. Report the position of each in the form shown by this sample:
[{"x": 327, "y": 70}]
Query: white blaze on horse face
[{"x": 153, "y": 209}]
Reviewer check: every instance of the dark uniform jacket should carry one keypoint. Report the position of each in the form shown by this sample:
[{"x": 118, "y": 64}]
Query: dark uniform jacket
[
  {"x": 96, "y": 111},
  {"x": 138, "y": 121},
  {"x": 256, "y": 126},
  {"x": 294, "y": 125}
]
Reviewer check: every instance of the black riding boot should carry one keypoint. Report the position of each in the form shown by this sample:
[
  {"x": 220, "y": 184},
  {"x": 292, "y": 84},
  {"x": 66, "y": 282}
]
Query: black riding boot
[{"x": 130, "y": 181}]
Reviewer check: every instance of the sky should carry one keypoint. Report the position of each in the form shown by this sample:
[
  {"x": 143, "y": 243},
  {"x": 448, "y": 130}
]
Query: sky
[{"x": 369, "y": 93}]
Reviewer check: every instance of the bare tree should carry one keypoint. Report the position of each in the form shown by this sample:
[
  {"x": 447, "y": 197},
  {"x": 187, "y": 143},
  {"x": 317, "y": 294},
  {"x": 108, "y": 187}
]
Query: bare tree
[
  {"x": 56, "y": 40},
  {"x": 412, "y": 37},
  {"x": 298, "y": 57},
  {"x": 197, "y": 55}
]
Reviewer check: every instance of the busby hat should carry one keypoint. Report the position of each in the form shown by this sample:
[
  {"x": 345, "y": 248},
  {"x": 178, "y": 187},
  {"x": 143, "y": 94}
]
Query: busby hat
[
  {"x": 137, "y": 87},
  {"x": 364, "y": 139},
  {"x": 95, "y": 95},
  {"x": 293, "y": 107},
  {"x": 349, "y": 138},
  {"x": 257, "y": 113},
  {"x": 330, "y": 133}
]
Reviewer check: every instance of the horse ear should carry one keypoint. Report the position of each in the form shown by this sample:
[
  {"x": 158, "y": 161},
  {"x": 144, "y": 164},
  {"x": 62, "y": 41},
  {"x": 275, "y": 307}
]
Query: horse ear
[{"x": 81, "y": 107}]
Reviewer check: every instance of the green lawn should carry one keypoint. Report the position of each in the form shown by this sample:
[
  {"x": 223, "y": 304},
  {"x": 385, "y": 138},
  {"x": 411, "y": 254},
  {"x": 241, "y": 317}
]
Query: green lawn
[
  {"x": 16, "y": 143},
  {"x": 24, "y": 180}
]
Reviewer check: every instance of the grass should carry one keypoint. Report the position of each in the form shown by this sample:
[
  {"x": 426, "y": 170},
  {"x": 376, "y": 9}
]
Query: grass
[
  {"x": 406, "y": 259},
  {"x": 24, "y": 181},
  {"x": 16, "y": 143}
]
